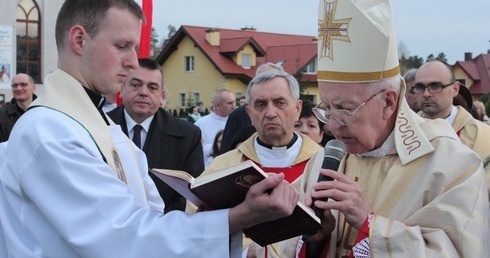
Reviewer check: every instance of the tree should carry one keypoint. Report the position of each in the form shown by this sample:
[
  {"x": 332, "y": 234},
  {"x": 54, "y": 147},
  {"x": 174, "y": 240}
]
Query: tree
[
  {"x": 410, "y": 62},
  {"x": 486, "y": 100},
  {"x": 430, "y": 57},
  {"x": 402, "y": 51},
  {"x": 171, "y": 33},
  {"x": 153, "y": 43},
  {"x": 442, "y": 57}
]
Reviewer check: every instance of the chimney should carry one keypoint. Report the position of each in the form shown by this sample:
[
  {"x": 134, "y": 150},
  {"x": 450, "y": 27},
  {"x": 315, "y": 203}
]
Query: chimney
[
  {"x": 213, "y": 37},
  {"x": 249, "y": 29},
  {"x": 468, "y": 56}
]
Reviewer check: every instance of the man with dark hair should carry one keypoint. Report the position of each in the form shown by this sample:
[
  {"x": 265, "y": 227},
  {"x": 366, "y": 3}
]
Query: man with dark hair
[
  {"x": 78, "y": 187},
  {"x": 23, "y": 89},
  {"x": 168, "y": 142}
]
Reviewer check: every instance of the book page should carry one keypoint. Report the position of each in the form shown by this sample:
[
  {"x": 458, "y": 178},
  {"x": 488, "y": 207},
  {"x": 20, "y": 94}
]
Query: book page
[{"x": 179, "y": 181}]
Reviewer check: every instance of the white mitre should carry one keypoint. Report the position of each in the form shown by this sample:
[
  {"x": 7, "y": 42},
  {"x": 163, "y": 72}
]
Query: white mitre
[{"x": 357, "y": 44}]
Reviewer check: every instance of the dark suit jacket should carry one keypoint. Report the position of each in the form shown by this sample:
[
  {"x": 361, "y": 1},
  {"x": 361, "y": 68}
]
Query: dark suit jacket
[
  {"x": 9, "y": 114},
  {"x": 171, "y": 143}
]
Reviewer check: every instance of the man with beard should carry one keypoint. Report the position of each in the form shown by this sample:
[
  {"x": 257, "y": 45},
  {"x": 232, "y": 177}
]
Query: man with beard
[{"x": 435, "y": 88}]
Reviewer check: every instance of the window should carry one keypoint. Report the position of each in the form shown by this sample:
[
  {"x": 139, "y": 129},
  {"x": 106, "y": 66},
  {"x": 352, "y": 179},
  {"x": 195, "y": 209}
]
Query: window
[
  {"x": 246, "y": 61},
  {"x": 182, "y": 100},
  {"x": 462, "y": 81},
  {"x": 28, "y": 39},
  {"x": 189, "y": 63},
  {"x": 310, "y": 68},
  {"x": 196, "y": 98},
  {"x": 238, "y": 95}
]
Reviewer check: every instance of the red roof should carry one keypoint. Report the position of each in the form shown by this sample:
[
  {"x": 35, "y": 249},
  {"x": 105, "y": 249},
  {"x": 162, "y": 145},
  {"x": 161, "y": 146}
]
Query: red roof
[
  {"x": 234, "y": 45},
  {"x": 478, "y": 69},
  {"x": 294, "y": 50}
]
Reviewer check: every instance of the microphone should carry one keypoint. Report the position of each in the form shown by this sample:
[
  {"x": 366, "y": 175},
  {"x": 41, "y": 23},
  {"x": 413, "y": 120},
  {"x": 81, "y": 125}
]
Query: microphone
[{"x": 333, "y": 153}]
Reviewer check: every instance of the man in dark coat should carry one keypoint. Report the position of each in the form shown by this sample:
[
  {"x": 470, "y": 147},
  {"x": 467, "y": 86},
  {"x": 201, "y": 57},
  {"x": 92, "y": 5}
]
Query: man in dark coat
[
  {"x": 168, "y": 142},
  {"x": 23, "y": 89}
]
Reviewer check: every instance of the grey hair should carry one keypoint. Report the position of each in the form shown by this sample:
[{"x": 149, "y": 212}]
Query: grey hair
[
  {"x": 410, "y": 74},
  {"x": 390, "y": 83},
  {"x": 269, "y": 75},
  {"x": 218, "y": 96},
  {"x": 267, "y": 67}
]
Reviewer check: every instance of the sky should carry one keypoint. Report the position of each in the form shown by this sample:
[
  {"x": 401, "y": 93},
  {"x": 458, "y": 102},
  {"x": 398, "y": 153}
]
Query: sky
[{"x": 423, "y": 27}]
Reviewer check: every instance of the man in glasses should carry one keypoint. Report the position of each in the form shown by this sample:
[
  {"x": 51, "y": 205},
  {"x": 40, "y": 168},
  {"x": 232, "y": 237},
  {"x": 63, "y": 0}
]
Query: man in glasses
[
  {"x": 407, "y": 187},
  {"x": 435, "y": 88},
  {"x": 23, "y": 89}
]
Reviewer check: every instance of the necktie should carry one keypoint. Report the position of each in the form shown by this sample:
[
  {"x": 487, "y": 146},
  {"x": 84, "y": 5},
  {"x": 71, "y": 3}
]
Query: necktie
[{"x": 137, "y": 135}]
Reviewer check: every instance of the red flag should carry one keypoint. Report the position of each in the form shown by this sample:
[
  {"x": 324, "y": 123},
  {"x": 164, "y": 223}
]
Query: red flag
[{"x": 145, "y": 40}]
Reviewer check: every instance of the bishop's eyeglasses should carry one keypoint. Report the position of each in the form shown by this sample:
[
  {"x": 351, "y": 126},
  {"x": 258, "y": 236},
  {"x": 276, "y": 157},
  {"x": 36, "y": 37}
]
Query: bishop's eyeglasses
[
  {"x": 342, "y": 116},
  {"x": 433, "y": 87}
]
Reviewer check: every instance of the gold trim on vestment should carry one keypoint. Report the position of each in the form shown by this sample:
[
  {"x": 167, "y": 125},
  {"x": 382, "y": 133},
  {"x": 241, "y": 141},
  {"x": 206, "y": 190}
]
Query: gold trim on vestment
[
  {"x": 357, "y": 76},
  {"x": 118, "y": 166}
]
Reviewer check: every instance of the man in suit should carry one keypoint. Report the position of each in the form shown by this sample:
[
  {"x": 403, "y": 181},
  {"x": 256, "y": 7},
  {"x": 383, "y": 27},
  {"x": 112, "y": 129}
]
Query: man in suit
[{"x": 168, "y": 142}]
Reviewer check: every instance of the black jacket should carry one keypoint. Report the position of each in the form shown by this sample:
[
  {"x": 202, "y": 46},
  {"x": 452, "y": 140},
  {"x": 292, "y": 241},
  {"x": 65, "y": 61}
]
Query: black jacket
[{"x": 171, "y": 143}]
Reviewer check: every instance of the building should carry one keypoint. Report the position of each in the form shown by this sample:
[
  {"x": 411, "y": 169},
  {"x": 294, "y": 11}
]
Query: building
[
  {"x": 34, "y": 47},
  {"x": 474, "y": 73},
  {"x": 199, "y": 60}
]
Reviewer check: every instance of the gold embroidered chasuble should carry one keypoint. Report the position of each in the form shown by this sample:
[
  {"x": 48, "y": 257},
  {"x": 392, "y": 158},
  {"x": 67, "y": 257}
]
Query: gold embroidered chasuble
[
  {"x": 475, "y": 135},
  {"x": 435, "y": 205}
]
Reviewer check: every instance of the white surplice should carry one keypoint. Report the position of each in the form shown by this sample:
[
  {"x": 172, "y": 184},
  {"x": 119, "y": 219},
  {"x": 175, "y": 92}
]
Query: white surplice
[{"x": 58, "y": 198}]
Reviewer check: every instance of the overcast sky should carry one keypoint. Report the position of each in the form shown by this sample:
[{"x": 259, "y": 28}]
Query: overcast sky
[{"x": 423, "y": 26}]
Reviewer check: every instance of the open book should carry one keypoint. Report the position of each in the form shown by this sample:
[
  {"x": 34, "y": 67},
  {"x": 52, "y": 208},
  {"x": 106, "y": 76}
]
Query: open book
[{"x": 227, "y": 188}]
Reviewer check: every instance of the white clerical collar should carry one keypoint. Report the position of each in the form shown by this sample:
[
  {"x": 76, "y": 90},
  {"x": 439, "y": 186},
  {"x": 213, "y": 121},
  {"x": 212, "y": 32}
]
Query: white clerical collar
[
  {"x": 452, "y": 117},
  {"x": 278, "y": 156},
  {"x": 130, "y": 123},
  {"x": 383, "y": 150}
]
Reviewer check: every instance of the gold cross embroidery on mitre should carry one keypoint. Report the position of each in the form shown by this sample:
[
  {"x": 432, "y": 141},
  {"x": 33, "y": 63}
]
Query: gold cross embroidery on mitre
[{"x": 330, "y": 29}]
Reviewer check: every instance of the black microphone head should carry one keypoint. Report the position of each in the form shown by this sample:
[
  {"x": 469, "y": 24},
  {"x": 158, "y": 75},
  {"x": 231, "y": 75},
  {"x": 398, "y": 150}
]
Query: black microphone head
[{"x": 334, "y": 149}]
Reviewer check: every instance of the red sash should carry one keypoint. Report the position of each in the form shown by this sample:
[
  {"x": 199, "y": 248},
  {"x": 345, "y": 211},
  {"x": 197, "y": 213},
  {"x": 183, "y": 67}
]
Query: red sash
[{"x": 290, "y": 174}]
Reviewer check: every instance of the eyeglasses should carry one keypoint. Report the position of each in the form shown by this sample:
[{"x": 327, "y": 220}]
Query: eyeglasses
[
  {"x": 342, "y": 116},
  {"x": 433, "y": 87},
  {"x": 21, "y": 84}
]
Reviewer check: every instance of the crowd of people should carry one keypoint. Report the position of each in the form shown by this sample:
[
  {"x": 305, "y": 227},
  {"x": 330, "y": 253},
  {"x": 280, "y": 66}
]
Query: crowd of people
[{"x": 74, "y": 180}]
